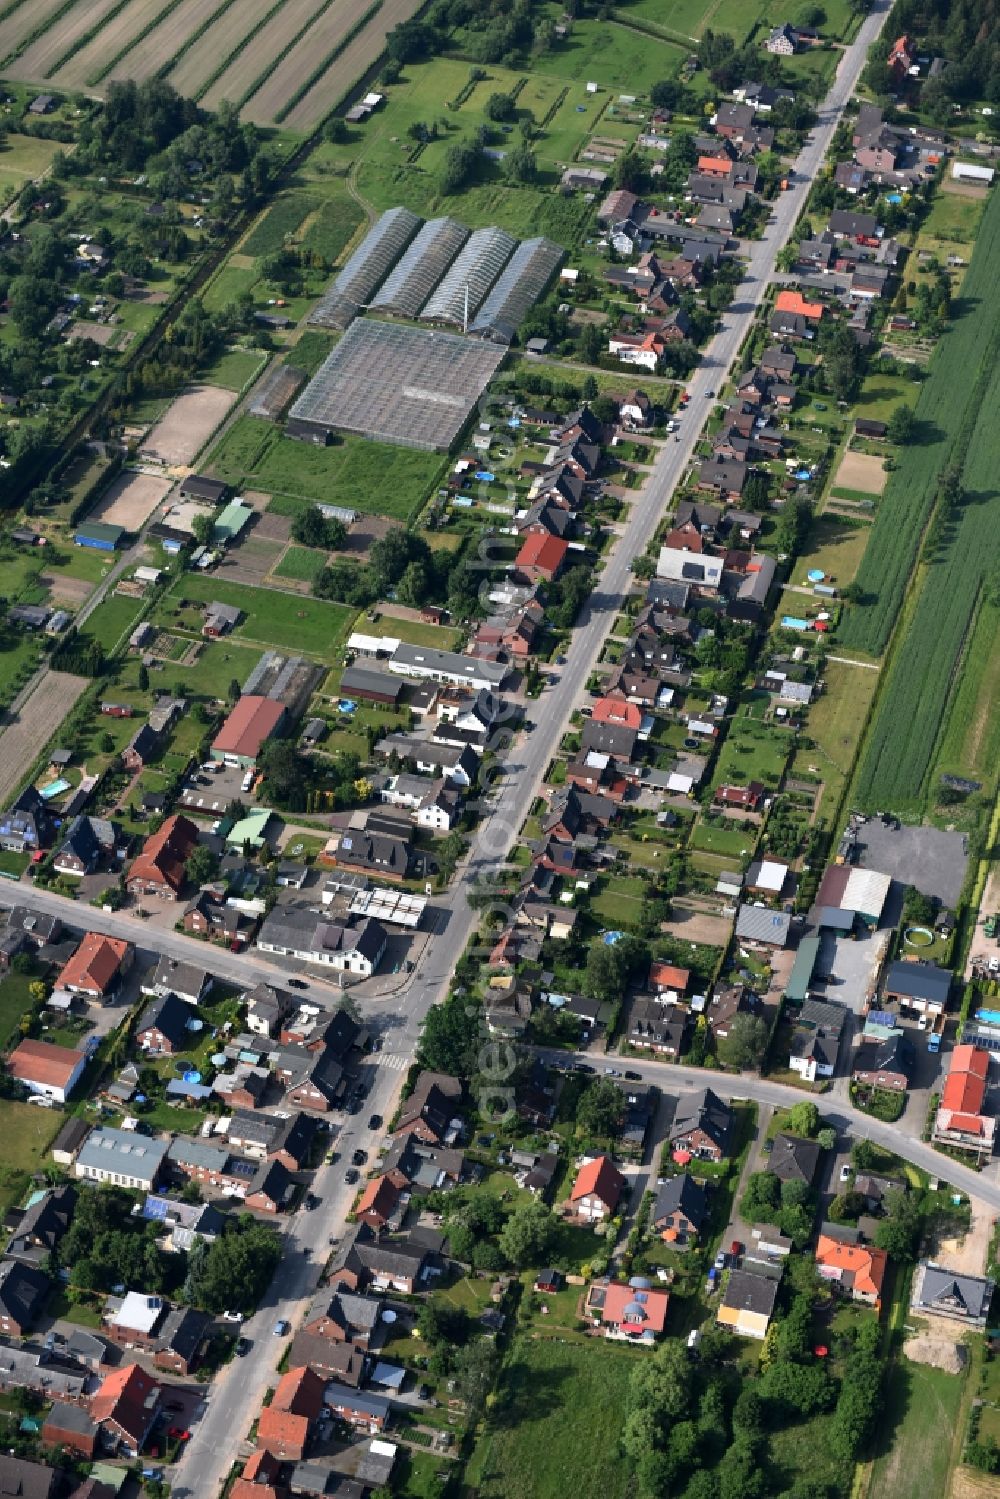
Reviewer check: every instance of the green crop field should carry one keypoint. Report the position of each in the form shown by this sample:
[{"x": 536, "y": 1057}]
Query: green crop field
[
  {"x": 943, "y": 409},
  {"x": 285, "y": 621},
  {"x": 970, "y": 745},
  {"x": 369, "y": 476},
  {"x": 923, "y": 690}
]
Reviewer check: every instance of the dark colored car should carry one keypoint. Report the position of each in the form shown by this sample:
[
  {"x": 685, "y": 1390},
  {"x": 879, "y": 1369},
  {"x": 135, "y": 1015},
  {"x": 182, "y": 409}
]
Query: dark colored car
[
  {"x": 312, "y": 1201},
  {"x": 359, "y": 1157},
  {"x": 375, "y": 1122},
  {"x": 584, "y": 1067},
  {"x": 297, "y": 984},
  {"x": 351, "y": 1176},
  {"x": 635, "y": 1077},
  {"x": 243, "y": 1346}
]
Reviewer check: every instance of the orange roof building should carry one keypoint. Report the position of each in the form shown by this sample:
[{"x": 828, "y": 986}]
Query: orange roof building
[
  {"x": 247, "y": 729},
  {"x": 597, "y": 1189},
  {"x": 634, "y": 1314},
  {"x": 283, "y": 1428},
  {"x": 159, "y": 869},
  {"x": 794, "y": 301},
  {"x": 542, "y": 556},
  {"x": 960, "y": 1119},
  {"x": 47, "y": 1070},
  {"x": 380, "y": 1199},
  {"x": 126, "y": 1405},
  {"x": 715, "y": 166},
  {"x": 259, "y": 1479},
  {"x": 96, "y": 965},
  {"x": 663, "y": 976},
  {"x": 857, "y": 1268},
  {"x": 617, "y": 710}
]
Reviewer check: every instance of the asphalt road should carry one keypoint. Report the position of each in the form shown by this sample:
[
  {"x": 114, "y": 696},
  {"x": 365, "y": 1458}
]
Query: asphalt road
[{"x": 236, "y": 1395}]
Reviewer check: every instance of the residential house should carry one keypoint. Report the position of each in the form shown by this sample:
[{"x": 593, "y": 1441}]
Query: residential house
[
  {"x": 597, "y": 1189},
  {"x": 70, "y": 1427},
  {"x": 960, "y": 1120},
  {"x": 188, "y": 981},
  {"x": 270, "y": 1189},
  {"x": 857, "y": 1268},
  {"x": 364, "y": 1412},
  {"x": 17, "y": 1475},
  {"x": 680, "y": 1211},
  {"x": 633, "y": 1314},
  {"x": 303, "y": 932},
  {"x": 782, "y": 40},
  {"x": 159, "y": 868},
  {"x": 42, "y": 1225},
  {"x": 794, "y": 1158},
  {"x": 938, "y": 1292},
  {"x": 26, "y": 825},
  {"x": 24, "y": 1290},
  {"x": 86, "y": 844},
  {"x": 211, "y": 916},
  {"x": 917, "y": 986},
  {"x": 126, "y": 1407},
  {"x": 702, "y": 1126},
  {"x": 45, "y": 1069},
  {"x": 884, "y": 1064},
  {"x": 267, "y": 1008},
  {"x": 96, "y": 966},
  {"x": 260, "y": 1479},
  {"x": 430, "y": 1112},
  {"x": 219, "y": 619},
  {"x": 759, "y": 924},
  {"x": 668, "y": 981},
  {"x": 725, "y": 1004},
  {"x": 657, "y": 1028},
  {"x": 162, "y": 1028},
  {"x": 747, "y": 1304},
  {"x": 380, "y": 1201}
]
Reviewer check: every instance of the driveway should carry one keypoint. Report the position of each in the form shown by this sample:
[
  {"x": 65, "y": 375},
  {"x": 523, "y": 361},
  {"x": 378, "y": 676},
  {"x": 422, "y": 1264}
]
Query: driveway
[
  {"x": 757, "y": 1159},
  {"x": 852, "y": 966}
]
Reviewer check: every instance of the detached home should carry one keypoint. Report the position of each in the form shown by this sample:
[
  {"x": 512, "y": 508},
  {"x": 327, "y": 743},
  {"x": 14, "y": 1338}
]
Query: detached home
[{"x": 597, "y": 1189}]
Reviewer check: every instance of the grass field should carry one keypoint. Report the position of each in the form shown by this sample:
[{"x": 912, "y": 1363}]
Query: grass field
[
  {"x": 728, "y": 839},
  {"x": 23, "y": 157},
  {"x": 27, "y": 1133},
  {"x": 556, "y": 1423},
  {"x": 111, "y": 619},
  {"x": 836, "y": 547},
  {"x": 970, "y": 745},
  {"x": 285, "y": 621},
  {"x": 369, "y": 476},
  {"x": 921, "y": 1413},
  {"x": 836, "y": 721},
  {"x": 752, "y": 752},
  {"x": 301, "y": 563},
  {"x": 946, "y": 407},
  {"x": 234, "y": 369},
  {"x": 14, "y": 1002},
  {"x": 881, "y": 394}
]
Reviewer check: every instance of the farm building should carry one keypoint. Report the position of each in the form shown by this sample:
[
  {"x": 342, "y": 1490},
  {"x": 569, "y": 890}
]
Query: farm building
[
  {"x": 98, "y": 535},
  {"x": 365, "y": 271},
  {"x": 249, "y": 726},
  {"x": 861, "y": 891},
  {"x": 396, "y": 384},
  {"x": 421, "y": 268},
  {"x": 971, "y": 171},
  {"x": 463, "y": 290},
  {"x": 371, "y": 686},
  {"x": 290, "y": 680},
  {"x": 276, "y": 391},
  {"x": 198, "y": 487},
  {"x": 231, "y": 521},
  {"x": 518, "y": 288}
]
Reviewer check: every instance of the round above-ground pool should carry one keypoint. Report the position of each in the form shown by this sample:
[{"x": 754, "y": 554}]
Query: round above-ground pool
[{"x": 918, "y": 936}]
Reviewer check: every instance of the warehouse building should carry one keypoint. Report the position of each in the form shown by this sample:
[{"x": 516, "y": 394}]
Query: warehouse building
[
  {"x": 421, "y": 268},
  {"x": 98, "y": 535},
  {"x": 249, "y": 726},
  {"x": 366, "y": 269}
]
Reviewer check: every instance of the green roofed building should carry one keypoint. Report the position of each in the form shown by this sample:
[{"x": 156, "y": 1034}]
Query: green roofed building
[
  {"x": 800, "y": 977},
  {"x": 250, "y": 829},
  {"x": 98, "y": 535},
  {"x": 230, "y": 521}
]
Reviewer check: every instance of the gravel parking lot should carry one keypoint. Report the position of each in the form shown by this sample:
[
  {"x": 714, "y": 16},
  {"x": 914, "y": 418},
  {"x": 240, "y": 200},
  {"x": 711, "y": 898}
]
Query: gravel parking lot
[{"x": 932, "y": 859}]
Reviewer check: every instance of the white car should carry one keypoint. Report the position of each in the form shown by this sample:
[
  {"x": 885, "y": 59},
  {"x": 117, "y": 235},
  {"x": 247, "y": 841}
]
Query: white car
[
  {"x": 232, "y": 1316},
  {"x": 247, "y": 781},
  {"x": 845, "y": 1172}
]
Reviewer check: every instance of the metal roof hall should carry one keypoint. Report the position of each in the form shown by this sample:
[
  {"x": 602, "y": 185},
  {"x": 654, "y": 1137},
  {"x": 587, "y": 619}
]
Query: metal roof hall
[
  {"x": 421, "y": 268},
  {"x": 366, "y": 269},
  {"x": 472, "y": 274}
]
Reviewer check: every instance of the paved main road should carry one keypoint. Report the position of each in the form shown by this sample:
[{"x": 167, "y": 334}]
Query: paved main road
[{"x": 236, "y": 1394}]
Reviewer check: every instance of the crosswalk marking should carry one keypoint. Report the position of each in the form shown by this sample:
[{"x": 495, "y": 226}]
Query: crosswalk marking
[{"x": 394, "y": 1063}]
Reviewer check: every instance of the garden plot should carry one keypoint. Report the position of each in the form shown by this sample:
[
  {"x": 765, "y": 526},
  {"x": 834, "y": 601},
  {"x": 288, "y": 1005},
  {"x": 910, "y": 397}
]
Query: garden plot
[
  {"x": 63, "y": 590},
  {"x": 47, "y": 51},
  {"x": 862, "y": 471},
  {"x": 188, "y": 423},
  {"x": 102, "y": 334},
  {"x": 131, "y": 500}
]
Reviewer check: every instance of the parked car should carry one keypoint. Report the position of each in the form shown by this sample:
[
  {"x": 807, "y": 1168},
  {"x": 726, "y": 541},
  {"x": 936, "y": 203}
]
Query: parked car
[
  {"x": 243, "y": 1346},
  {"x": 846, "y": 1172},
  {"x": 281, "y": 1328},
  {"x": 720, "y": 1260},
  {"x": 359, "y": 1157},
  {"x": 634, "y": 1077},
  {"x": 351, "y": 1176},
  {"x": 375, "y": 1122},
  {"x": 297, "y": 984},
  {"x": 232, "y": 1316}
]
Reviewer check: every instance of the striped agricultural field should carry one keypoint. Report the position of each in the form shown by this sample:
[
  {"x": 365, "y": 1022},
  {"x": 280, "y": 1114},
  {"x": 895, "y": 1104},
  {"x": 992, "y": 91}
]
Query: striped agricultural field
[
  {"x": 18, "y": 26},
  {"x": 353, "y": 63},
  {"x": 166, "y": 39},
  {"x": 243, "y": 72},
  {"x": 89, "y": 65},
  {"x": 42, "y": 58},
  {"x": 220, "y": 40},
  {"x": 322, "y": 38}
]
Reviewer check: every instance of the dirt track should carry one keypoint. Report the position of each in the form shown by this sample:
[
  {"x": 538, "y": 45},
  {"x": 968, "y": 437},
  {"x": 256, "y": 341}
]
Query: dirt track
[
  {"x": 861, "y": 471},
  {"x": 131, "y": 500},
  {"x": 188, "y": 423},
  {"x": 34, "y": 724}
]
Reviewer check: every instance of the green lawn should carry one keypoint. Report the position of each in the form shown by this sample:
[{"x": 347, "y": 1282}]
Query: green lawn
[
  {"x": 753, "y": 751},
  {"x": 369, "y": 476},
  {"x": 113, "y": 619},
  {"x": 286, "y": 621},
  {"x": 234, "y": 369},
  {"x": 17, "y": 662},
  {"x": 836, "y": 547},
  {"x": 881, "y": 394},
  {"x": 919, "y": 1422},
  {"x": 730, "y": 839},
  {"x": 27, "y": 1132},
  {"x": 301, "y": 563},
  {"x": 14, "y": 1001},
  {"x": 555, "y": 1426},
  {"x": 970, "y": 745}
]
